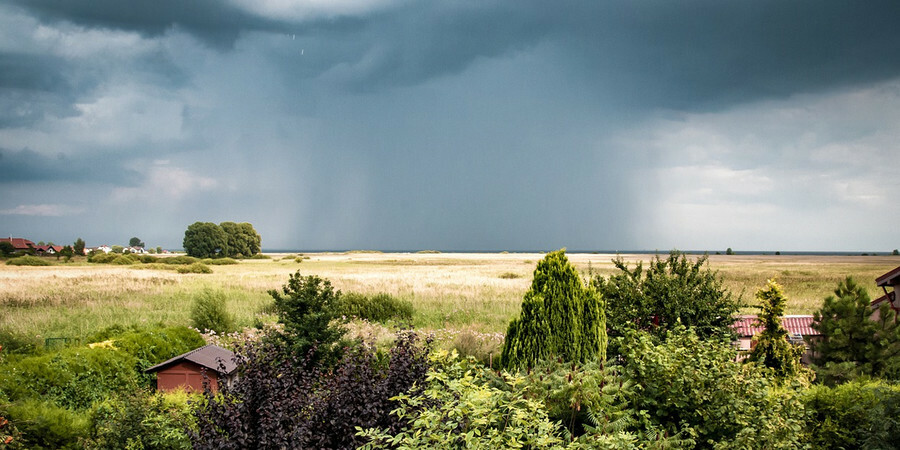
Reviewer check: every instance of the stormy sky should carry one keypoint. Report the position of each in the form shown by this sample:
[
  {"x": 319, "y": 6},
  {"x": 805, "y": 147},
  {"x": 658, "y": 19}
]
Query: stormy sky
[{"x": 454, "y": 124}]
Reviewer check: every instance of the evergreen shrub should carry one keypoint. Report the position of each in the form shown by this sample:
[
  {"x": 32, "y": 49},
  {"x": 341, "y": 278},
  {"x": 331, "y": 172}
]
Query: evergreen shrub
[{"x": 560, "y": 318}]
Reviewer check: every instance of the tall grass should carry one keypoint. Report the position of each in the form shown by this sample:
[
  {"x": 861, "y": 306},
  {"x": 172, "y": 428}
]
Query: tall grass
[{"x": 447, "y": 291}]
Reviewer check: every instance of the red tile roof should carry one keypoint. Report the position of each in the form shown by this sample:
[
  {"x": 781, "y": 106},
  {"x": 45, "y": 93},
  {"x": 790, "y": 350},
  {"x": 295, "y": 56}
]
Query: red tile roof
[
  {"x": 746, "y": 325},
  {"x": 18, "y": 243}
]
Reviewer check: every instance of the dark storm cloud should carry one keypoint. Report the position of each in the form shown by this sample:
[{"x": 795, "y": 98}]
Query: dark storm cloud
[
  {"x": 213, "y": 21},
  {"x": 26, "y": 166}
]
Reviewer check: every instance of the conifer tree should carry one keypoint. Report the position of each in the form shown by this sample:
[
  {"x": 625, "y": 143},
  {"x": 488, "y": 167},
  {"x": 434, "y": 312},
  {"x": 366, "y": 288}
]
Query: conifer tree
[
  {"x": 772, "y": 347},
  {"x": 854, "y": 340},
  {"x": 560, "y": 318}
]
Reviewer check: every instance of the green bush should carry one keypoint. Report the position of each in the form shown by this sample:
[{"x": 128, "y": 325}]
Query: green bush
[
  {"x": 195, "y": 268},
  {"x": 101, "y": 258},
  {"x": 44, "y": 425},
  {"x": 378, "y": 308},
  {"x": 28, "y": 260},
  {"x": 560, "y": 318},
  {"x": 148, "y": 259},
  {"x": 71, "y": 378},
  {"x": 126, "y": 260},
  {"x": 181, "y": 259},
  {"x": 858, "y": 414},
  {"x": 219, "y": 261},
  {"x": 260, "y": 256},
  {"x": 155, "y": 421},
  {"x": 509, "y": 276},
  {"x": 694, "y": 386},
  {"x": 15, "y": 343},
  {"x": 209, "y": 312},
  {"x": 464, "y": 406}
]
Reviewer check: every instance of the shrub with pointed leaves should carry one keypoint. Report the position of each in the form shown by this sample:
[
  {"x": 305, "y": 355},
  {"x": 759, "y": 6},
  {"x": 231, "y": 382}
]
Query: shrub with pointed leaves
[
  {"x": 772, "y": 347},
  {"x": 560, "y": 318}
]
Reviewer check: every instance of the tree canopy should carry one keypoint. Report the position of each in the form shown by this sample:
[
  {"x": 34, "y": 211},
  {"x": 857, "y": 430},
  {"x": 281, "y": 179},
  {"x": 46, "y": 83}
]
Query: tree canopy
[
  {"x": 670, "y": 292},
  {"x": 854, "y": 341},
  {"x": 234, "y": 240},
  {"x": 560, "y": 318},
  {"x": 241, "y": 239},
  {"x": 136, "y": 242}
]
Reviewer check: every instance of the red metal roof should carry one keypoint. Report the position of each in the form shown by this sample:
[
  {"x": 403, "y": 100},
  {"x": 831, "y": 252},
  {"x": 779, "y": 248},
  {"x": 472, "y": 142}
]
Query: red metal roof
[
  {"x": 746, "y": 325},
  {"x": 208, "y": 356},
  {"x": 18, "y": 243},
  {"x": 889, "y": 278}
]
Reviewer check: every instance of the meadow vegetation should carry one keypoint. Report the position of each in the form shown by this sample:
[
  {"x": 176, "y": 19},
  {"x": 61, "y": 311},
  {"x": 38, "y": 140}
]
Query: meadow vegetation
[{"x": 324, "y": 341}]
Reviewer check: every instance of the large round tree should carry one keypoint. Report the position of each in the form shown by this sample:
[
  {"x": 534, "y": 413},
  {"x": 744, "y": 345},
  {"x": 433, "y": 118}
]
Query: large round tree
[
  {"x": 204, "y": 240},
  {"x": 560, "y": 318}
]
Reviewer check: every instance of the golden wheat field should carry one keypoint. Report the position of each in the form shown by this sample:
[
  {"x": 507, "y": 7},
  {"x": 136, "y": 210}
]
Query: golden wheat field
[{"x": 457, "y": 291}]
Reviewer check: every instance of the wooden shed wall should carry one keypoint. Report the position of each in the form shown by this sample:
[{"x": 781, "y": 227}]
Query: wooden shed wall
[{"x": 184, "y": 375}]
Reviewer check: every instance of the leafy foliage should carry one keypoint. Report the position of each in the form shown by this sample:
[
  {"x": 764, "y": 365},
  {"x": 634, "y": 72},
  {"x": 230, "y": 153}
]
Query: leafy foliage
[
  {"x": 560, "y": 318},
  {"x": 28, "y": 260},
  {"x": 136, "y": 242},
  {"x": 772, "y": 347},
  {"x": 205, "y": 240},
  {"x": 6, "y": 248},
  {"x": 377, "y": 308},
  {"x": 858, "y": 414},
  {"x": 693, "y": 386},
  {"x": 461, "y": 407},
  {"x": 241, "y": 239},
  {"x": 306, "y": 306},
  {"x": 139, "y": 420},
  {"x": 210, "y": 313},
  {"x": 43, "y": 425},
  {"x": 853, "y": 343},
  {"x": 671, "y": 292},
  {"x": 279, "y": 401}
]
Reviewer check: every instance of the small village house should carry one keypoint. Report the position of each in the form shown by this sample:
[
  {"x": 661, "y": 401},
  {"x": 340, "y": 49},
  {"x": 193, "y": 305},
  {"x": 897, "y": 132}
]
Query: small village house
[
  {"x": 19, "y": 244},
  {"x": 187, "y": 371},
  {"x": 42, "y": 250},
  {"x": 798, "y": 327}
]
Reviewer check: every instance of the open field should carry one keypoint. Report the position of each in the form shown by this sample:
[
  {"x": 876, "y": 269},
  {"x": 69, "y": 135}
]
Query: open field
[{"x": 480, "y": 292}]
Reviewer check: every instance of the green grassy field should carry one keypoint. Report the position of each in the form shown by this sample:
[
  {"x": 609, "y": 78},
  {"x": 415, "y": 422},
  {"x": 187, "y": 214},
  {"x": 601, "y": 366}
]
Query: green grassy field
[{"x": 477, "y": 292}]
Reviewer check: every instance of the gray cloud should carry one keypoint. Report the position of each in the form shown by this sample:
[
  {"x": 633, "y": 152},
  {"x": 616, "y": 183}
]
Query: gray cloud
[
  {"x": 26, "y": 166},
  {"x": 462, "y": 124}
]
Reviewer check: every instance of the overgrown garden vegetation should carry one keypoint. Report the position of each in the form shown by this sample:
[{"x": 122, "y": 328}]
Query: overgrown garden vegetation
[{"x": 649, "y": 365}]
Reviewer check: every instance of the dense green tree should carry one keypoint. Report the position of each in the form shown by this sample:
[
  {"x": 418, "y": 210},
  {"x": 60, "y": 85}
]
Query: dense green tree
[
  {"x": 79, "y": 247},
  {"x": 136, "y": 242},
  {"x": 854, "y": 341},
  {"x": 242, "y": 239},
  {"x": 671, "y": 292},
  {"x": 204, "y": 240},
  {"x": 560, "y": 318},
  {"x": 117, "y": 249},
  {"x": 6, "y": 248},
  {"x": 895, "y": 252},
  {"x": 693, "y": 387},
  {"x": 772, "y": 347},
  {"x": 67, "y": 252},
  {"x": 729, "y": 251},
  {"x": 306, "y": 306}
]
